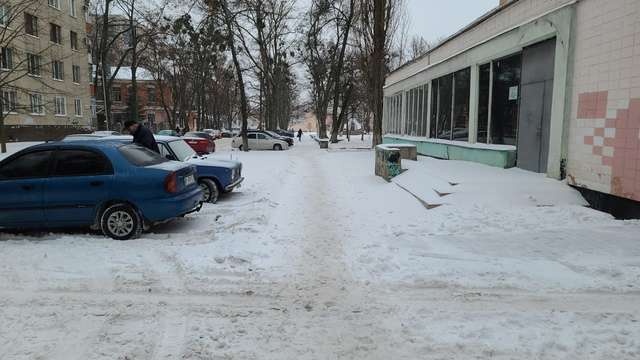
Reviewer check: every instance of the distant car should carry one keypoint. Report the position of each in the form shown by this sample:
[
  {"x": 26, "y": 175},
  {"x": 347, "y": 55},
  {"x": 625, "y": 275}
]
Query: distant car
[
  {"x": 260, "y": 141},
  {"x": 211, "y": 147},
  {"x": 226, "y": 134},
  {"x": 83, "y": 137},
  {"x": 285, "y": 133},
  {"x": 106, "y": 133},
  {"x": 217, "y": 134},
  {"x": 288, "y": 139},
  {"x": 200, "y": 145},
  {"x": 120, "y": 189},
  {"x": 168, "y": 133},
  {"x": 274, "y": 135}
]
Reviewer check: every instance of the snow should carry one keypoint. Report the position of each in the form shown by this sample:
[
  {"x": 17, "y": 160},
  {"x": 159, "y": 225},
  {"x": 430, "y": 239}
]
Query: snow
[{"x": 316, "y": 258}]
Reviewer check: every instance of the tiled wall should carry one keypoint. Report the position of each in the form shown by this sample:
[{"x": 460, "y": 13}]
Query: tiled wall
[{"x": 604, "y": 135}]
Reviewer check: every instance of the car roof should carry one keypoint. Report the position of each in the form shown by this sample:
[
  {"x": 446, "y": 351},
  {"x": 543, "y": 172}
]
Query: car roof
[{"x": 102, "y": 144}]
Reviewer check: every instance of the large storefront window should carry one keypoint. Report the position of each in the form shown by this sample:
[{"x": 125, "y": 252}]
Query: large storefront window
[
  {"x": 445, "y": 92},
  {"x": 505, "y": 101},
  {"x": 461, "y": 105},
  {"x": 416, "y": 111},
  {"x": 483, "y": 102},
  {"x": 450, "y": 106},
  {"x": 393, "y": 114}
]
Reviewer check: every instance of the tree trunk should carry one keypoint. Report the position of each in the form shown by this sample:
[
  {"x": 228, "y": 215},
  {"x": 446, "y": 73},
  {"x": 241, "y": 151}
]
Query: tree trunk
[
  {"x": 3, "y": 139},
  {"x": 244, "y": 113},
  {"x": 379, "y": 39}
]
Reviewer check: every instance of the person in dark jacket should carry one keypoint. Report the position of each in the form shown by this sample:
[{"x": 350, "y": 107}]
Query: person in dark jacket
[
  {"x": 300, "y": 135},
  {"x": 141, "y": 135}
]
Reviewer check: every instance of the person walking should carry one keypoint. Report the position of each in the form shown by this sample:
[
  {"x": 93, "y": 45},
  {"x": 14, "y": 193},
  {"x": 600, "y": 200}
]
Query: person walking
[
  {"x": 299, "y": 135},
  {"x": 141, "y": 135}
]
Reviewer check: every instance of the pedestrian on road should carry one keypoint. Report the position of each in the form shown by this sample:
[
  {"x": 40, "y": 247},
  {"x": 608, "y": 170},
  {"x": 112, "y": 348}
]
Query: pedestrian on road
[
  {"x": 141, "y": 135},
  {"x": 178, "y": 130},
  {"x": 300, "y": 135}
]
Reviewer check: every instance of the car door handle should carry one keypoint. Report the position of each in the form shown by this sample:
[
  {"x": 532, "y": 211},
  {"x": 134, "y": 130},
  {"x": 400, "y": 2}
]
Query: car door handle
[
  {"x": 96, "y": 183},
  {"x": 27, "y": 187}
]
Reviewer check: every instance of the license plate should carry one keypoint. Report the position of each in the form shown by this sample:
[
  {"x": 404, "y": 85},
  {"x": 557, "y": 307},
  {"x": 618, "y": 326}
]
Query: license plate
[{"x": 189, "y": 180}]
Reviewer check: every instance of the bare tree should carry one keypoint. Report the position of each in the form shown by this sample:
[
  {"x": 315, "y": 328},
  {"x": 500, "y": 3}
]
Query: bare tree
[{"x": 325, "y": 47}]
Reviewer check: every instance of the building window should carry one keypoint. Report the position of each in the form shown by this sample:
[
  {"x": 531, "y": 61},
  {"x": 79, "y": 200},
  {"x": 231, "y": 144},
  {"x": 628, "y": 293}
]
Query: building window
[
  {"x": 55, "y": 33},
  {"x": 483, "y": 102},
  {"x": 78, "y": 107},
  {"x": 76, "y": 74},
  {"x": 60, "y": 105},
  {"x": 505, "y": 100},
  {"x": 442, "y": 128},
  {"x": 393, "y": 114},
  {"x": 31, "y": 24},
  {"x": 37, "y": 105},
  {"x": 462, "y": 89},
  {"x": 5, "y": 15},
  {"x": 7, "y": 58},
  {"x": 72, "y": 8},
  {"x": 55, "y": 4},
  {"x": 9, "y": 101},
  {"x": 151, "y": 119},
  {"x": 33, "y": 64},
  {"x": 116, "y": 94},
  {"x": 73, "y": 36},
  {"x": 57, "y": 69},
  {"x": 151, "y": 95},
  {"x": 450, "y": 106}
]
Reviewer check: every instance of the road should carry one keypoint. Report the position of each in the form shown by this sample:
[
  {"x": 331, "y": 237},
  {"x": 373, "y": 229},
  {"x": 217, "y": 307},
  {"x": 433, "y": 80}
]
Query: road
[{"x": 300, "y": 264}]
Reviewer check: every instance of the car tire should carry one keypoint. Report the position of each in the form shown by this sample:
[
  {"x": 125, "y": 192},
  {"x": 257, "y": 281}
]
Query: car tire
[
  {"x": 121, "y": 222},
  {"x": 277, "y": 147},
  {"x": 210, "y": 192}
]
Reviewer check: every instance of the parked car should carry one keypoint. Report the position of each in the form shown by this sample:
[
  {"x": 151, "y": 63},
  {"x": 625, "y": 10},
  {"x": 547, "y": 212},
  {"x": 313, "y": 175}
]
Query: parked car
[
  {"x": 120, "y": 189},
  {"x": 285, "y": 133},
  {"x": 288, "y": 139},
  {"x": 215, "y": 176},
  {"x": 83, "y": 137},
  {"x": 203, "y": 135},
  {"x": 168, "y": 133},
  {"x": 200, "y": 145},
  {"x": 260, "y": 141},
  {"x": 226, "y": 134},
  {"x": 217, "y": 134},
  {"x": 106, "y": 133}
]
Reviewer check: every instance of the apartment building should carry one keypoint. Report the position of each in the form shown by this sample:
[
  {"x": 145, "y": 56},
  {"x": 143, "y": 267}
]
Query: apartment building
[
  {"x": 547, "y": 86},
  {"x": 45, "y": 91}
]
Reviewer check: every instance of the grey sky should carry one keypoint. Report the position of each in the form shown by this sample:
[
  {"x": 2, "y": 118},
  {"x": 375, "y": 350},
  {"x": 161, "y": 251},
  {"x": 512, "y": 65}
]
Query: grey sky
[{"x": 434, "y": 19}]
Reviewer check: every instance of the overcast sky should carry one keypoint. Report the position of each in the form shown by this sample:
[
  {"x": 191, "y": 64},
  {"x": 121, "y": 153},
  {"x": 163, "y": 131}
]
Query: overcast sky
[{"x": 434, "y": 19}]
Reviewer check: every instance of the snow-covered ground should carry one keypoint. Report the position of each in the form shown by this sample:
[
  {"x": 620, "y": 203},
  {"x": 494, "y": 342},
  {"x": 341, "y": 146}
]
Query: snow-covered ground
[{"x": 315, "y": 258}]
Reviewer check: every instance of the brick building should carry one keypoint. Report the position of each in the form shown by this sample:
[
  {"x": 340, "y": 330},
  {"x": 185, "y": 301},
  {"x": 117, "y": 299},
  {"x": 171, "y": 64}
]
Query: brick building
[
  {"x": 45, "y": 69},
  {"x": 549, "y": 86},
  {"x": 150, "y": 109}
]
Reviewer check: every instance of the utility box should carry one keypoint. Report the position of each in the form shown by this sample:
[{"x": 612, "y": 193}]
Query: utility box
[{"x": 388, "y": 162}]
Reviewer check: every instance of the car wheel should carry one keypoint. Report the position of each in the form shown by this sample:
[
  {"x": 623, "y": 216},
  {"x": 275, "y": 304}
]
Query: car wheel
[
  {"x": 121, "y": 222},
  {"x": 277, "y": 147},
  {"x": 210, "y": 192}
]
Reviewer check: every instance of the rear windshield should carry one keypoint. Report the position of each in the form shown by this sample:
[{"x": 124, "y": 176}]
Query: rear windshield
[{"x": 141, "y": 156}]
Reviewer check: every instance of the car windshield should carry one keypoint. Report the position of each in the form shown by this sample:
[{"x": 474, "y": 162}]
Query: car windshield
[
  {"x": 182, "y": 150},
  {"x": 272, "y": 134},
  {"x": 140, "y": 156}
]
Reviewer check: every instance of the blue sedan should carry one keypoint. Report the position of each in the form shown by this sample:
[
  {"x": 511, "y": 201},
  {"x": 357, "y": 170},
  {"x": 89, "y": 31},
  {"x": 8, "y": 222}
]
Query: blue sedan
[
  {"x": 215, "y": 176},
  {"x": 120, "y": 189}
]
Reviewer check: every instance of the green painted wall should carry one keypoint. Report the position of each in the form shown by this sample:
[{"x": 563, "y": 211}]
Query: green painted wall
[{"x": 497, "y": 158}]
